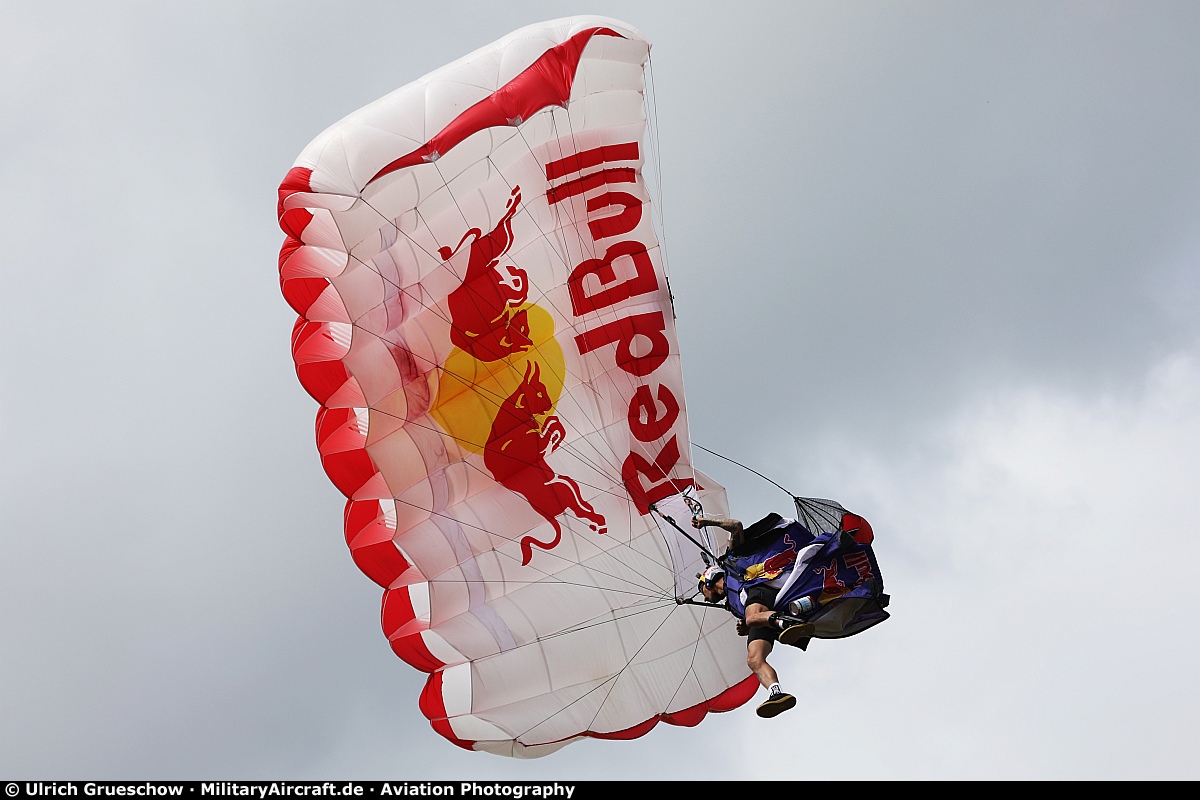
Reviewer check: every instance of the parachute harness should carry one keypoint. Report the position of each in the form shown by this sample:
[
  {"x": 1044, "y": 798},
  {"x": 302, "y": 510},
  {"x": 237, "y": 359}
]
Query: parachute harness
[{"x": 815, "y": 514}]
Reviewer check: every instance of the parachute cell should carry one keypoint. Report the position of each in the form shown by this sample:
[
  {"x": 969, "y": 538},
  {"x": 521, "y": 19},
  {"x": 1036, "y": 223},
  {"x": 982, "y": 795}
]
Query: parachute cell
[{"x": 486, "y": 323}]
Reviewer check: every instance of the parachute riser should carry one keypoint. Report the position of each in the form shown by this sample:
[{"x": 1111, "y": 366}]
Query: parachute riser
[
  {"x": 705, "y": 553},
  {"x": 702, "y": 603}
]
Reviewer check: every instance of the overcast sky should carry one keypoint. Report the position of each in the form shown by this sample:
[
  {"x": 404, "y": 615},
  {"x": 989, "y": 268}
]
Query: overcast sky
[{"x": 939, "y": 261}]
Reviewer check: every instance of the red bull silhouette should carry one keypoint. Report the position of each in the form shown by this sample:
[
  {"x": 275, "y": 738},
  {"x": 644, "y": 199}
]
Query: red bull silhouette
[
  {"x": 516, "y": 452},
  {"x": 486, "y": 318},
  {"x": 780, "y": 561},
  {"x": 832, "y": 586}
]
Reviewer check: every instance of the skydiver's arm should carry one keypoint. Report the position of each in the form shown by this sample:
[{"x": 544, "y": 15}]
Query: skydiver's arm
[{"x": 736, "y": 536}]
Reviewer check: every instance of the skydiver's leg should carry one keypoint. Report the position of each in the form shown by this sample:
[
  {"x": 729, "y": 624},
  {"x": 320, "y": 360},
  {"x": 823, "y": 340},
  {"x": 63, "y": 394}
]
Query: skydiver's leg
[
  {"x": 757, "y": 651},
  {"x": 761, "y": 640},
  {"x": 762, "y": 634},
  {"x": 759, "y": 616}
]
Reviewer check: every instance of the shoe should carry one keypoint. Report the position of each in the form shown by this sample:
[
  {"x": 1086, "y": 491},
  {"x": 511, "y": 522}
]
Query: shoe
[
  {"x": 794, "y": 633},
  {"x": 777, "y": 703}
]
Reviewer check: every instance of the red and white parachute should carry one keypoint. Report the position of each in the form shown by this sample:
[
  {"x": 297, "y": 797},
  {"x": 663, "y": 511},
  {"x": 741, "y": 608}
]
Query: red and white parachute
[{"x": 486, "y": 323}]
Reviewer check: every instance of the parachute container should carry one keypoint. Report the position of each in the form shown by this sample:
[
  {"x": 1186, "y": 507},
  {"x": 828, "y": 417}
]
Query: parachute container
[
  {"x": 485, "y": 321},
  {"x": 833, "y": 578}
]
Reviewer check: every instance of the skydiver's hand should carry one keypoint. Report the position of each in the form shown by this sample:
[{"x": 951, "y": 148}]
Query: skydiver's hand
[
  {"x": 742, "y": 628},
  {"x": 697, "y": 521}
]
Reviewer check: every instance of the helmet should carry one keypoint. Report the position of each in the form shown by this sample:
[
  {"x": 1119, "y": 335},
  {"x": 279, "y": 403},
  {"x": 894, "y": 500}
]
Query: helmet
[{"x": 710, "y": 576}]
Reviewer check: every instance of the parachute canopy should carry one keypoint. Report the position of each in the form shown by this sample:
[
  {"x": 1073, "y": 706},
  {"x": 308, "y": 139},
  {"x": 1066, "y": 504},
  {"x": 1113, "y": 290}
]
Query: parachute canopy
[{"x": 486, "y": 323}]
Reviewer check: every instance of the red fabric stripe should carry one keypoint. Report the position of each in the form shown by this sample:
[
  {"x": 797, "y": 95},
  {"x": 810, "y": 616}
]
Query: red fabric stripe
[
  {"x": 431, "y": 704},
  {"x": 735, "y": 696},
  {"x": 545, "y": 82},
  {"x": 298, "y": 331},
  {"x": 443, "y": 728},
  {"x": 294, "y": 221},
  {"x": 358, "y": 515},
  {"x": 396, "y": 611},
  {"x": 641, "y": 729},
  {"x": 297, "y": 180},
  {"x": 349, "y": 470},
  {"x": 380, "y": 561},
  {"x": 316, "y": 343},
  {"x": 301, "y": 293},
  {"x": 688, "y": 717},
  {"x": 340, "y": 438},
  {"x": 302, "y": 331},
  {"x": 370, "y": 540},
  {"x": 329, "y": 420},
  {"x": 322, "y": 378},
  {"x": 731, "y": 698},
  {"x": 290, "y": 246},
  {"x": 412, "y": 649}
]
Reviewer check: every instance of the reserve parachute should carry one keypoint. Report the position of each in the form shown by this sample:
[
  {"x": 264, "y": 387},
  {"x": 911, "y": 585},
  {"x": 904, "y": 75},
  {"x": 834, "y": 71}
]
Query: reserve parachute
[{"x": 486, "y": 323}]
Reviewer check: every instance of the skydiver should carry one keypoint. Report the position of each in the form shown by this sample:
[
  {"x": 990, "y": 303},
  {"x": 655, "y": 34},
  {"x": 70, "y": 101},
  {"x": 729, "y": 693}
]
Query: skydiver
[{"x": 762, "y": 625}]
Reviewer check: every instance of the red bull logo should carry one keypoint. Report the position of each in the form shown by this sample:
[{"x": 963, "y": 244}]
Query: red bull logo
[
  {"x": 516, "y": 453},
  {"x": 774, "y": 566},
  {"x": 502, "y": 344},
  {"x": 507, "y": 357},
  {"x": 831, "y": 585},
  {"x": 486, "y": 315}
]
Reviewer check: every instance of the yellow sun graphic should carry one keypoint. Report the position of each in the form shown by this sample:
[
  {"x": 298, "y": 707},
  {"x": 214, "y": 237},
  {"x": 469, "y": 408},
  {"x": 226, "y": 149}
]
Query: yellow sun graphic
[{"x": 470, "y": 391}]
